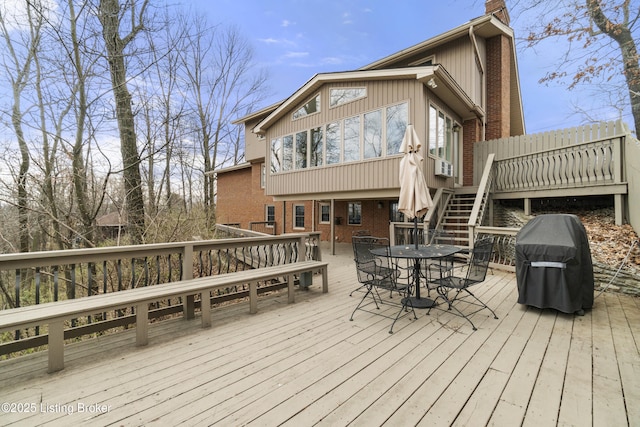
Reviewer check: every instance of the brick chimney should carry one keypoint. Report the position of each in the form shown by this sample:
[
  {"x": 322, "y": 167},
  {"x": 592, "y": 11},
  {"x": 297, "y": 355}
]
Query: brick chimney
[
  {"x": 498, "y": 8},
  {"x": 499, "y": 57}
]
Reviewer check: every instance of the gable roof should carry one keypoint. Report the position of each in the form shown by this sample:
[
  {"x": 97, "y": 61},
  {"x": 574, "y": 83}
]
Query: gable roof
[
  {"x": 392, "y": 67},
  {"x": 423, "y": 74}
]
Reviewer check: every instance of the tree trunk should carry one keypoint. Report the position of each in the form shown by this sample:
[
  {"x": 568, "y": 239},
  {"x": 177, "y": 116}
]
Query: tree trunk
[
  {"x": 110, "y": 19},
  {"x": 621, "y": 33}
]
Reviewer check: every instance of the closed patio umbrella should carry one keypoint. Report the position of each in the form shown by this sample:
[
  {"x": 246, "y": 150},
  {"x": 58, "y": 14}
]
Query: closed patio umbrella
[{"x": 414, "y": 199}]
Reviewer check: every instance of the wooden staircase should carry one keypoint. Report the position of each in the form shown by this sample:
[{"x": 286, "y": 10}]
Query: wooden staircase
[{"x": 454, "y": 223}]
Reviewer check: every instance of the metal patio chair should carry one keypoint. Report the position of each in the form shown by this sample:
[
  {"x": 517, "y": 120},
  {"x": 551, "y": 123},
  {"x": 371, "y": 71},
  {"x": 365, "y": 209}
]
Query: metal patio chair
[
  {"x": 377, "y": 273},
  {"x": 454, "y": 289},
  {"x": 358, "y": 233}
]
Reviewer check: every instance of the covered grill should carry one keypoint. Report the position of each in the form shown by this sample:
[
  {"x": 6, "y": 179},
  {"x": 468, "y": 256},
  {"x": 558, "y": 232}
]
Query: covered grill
[{"x": 553, "y": 264}]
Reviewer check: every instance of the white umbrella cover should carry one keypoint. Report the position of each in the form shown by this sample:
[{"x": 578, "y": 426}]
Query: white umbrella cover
[{"x": 415, "y": 199}]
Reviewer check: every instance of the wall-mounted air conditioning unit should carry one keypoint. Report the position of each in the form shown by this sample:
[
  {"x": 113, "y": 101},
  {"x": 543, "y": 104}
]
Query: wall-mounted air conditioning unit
[{"x": 443, "y": 168}]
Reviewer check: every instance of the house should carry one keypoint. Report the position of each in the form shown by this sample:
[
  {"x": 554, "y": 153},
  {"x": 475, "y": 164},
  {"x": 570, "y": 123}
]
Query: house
[{"x": 326, "y": 158}]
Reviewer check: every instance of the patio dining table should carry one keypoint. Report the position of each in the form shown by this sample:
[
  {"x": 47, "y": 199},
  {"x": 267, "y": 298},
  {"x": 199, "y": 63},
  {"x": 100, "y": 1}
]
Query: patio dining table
[{"x": 418, "y": 254}]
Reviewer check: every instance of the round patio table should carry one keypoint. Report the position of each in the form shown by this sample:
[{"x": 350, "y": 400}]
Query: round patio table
[{"x": 418, "y": 253}]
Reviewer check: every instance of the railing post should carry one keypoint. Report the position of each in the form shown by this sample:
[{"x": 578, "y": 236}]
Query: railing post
[{"x": 188, "y": 302}]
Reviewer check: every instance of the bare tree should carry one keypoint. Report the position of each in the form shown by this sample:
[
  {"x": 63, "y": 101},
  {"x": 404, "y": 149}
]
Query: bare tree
[
  {"x": 19, "y": 59},
  {"x": 602, "y": 39},
  {"x": 112, "y": 16},
  {"x": 223, "y": 85}
]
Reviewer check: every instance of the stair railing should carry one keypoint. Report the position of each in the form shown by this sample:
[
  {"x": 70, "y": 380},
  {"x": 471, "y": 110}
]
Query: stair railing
[{"x": 482, "y": 199}]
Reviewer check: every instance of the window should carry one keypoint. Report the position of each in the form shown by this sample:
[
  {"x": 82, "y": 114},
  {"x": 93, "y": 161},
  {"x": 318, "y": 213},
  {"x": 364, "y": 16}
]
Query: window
[
  {"x": 276, "y": 155},
  {"x": 333, "y": 143},
  {"x": 373, "y": 134},
  {"x": 263, "y": 175},
  {"x": 325, "y": 213},
  {"x": 316, "y": 147},
  {"x": 397, "y": 119},
  {"x": 298, "y": 216},
  {"x": 287, "y": 153},
  {"x": 440, "y": 134},
  {"x": 342, "y": 96},
  {"x": 312, "y": 106},
  {"x": 270, "y": 215},
  {"x": 354, "y": 213},
  {"x": 394, "y": 214},
  {"x": 352, "y": 139},
  {"x": 301, "y": 150}
]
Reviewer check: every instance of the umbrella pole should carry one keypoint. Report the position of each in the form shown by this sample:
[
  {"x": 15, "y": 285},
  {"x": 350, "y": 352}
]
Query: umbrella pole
[{"x": 415, "y": 231}]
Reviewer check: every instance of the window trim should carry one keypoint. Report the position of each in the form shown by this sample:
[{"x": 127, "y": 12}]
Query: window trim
[
  {"x": 318, "y": 108},
  {"x": 295, "y": 217},
  {"x": 366, "y": 93},
  {"x": 447, "y": 136},
  {"x": 266, "y": 215},
  {"x": 349, "y": 204},
  {"x": 322, "y": 205}
]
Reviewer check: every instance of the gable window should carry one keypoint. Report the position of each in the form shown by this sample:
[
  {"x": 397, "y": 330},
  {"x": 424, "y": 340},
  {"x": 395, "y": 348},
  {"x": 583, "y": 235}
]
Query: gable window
[
  {"x": 312, "y": 106},
  {"x": 298, "y": 216},
  {"x": 440, "y": 134},
  {"x": 325, "y": 213},
  {"x": 342, "y": 96},
  {"x": 354, "y": 213}
]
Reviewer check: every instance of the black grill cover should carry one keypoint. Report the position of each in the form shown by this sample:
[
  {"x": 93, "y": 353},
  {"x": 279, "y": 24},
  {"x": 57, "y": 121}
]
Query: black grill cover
[{"x": 553, "y": 264}]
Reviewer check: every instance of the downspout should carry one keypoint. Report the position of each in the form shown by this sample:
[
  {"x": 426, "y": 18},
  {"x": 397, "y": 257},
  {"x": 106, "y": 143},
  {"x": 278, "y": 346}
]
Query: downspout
[{"x": 476, "y": 50}]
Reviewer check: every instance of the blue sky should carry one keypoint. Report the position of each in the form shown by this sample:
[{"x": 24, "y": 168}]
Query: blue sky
[{"x": 295, "y": 39}]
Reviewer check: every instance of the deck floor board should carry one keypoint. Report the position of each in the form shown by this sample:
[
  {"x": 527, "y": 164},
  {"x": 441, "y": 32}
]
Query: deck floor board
[{"x": 307, "y": 364}]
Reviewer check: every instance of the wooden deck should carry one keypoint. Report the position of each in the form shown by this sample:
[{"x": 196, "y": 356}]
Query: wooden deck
[{"x": 306, "y": 363}]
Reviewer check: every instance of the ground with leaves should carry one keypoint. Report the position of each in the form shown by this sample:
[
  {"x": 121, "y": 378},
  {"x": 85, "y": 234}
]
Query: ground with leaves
[{"x": 610, "y": 243}]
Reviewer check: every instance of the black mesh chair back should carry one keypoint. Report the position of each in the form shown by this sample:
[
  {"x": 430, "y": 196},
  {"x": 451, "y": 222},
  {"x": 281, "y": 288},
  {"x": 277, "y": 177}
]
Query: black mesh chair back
[
  {"x": 453, "y": 288},
  {"x": 479, "y": 263},
  {"x": 376, "y": 272},
  {"x": 370, "y": 267}
]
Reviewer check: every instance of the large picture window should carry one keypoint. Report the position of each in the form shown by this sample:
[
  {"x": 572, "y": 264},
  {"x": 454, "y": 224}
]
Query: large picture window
[
  {"x": 334, "y": 136},
  {"x": 352, "y": 139},
  {"x": 301, "y": 150},
  {"x": 372, "y": 134},
  {"x": 397, "y": 117}
]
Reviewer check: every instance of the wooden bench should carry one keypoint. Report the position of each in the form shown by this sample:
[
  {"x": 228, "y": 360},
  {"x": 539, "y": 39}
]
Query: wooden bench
[{"x": 54, "y": 314}]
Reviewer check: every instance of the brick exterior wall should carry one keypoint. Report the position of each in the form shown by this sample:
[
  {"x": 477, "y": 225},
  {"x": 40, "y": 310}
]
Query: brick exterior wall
[
  {"x": 471, "y": 133},
  {"x": 375, "y": 220}
]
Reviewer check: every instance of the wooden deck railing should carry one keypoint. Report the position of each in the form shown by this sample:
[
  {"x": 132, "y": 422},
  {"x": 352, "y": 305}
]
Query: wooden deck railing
[
  {"x": 588, "y": 164},
  {"x": 39, "y": 277}
]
